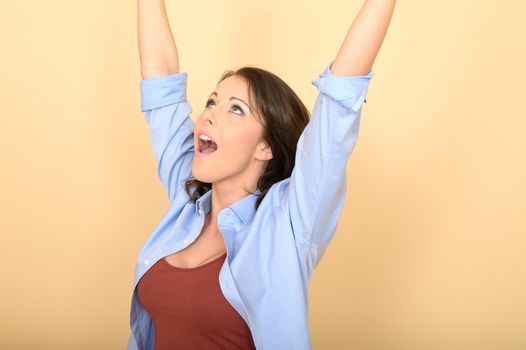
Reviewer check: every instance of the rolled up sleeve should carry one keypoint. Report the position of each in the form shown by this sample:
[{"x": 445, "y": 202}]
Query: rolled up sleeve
[
  {"x": 349, "y": 91},
  {"x": 162, "y": 91},
  {"x": 317, "y": 187},
  {"x": 167, "y": 111}
]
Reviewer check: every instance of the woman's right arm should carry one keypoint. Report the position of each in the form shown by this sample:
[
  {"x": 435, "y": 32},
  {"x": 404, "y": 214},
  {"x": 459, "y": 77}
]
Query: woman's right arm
[
  {"x": 163, "y": 98},
  {"x": 157, "y": 49}
]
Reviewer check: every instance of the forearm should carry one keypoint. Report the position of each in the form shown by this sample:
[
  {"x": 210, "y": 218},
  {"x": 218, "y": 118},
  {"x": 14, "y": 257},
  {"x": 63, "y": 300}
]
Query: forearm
[
  {"x": 157, "y": 49},
  {"x": 364, "y": 38}
]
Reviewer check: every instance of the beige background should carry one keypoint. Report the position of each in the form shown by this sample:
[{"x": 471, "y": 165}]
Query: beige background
[{"x": 431, "y": 250}]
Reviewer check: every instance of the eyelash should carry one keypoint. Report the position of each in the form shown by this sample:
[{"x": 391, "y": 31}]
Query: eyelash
[{"x": 235, "y": 105}]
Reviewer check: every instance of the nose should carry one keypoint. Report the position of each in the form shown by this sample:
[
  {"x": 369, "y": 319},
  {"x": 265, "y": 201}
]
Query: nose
[{"x": 208, "y": 118}]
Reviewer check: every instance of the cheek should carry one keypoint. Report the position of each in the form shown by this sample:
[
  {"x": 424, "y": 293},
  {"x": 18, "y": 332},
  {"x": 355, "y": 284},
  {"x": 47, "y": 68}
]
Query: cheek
[{"x": 239, "y": 143}]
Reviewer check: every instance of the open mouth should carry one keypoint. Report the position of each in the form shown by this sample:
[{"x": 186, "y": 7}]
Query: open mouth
[{"x": 206, "y": 145}]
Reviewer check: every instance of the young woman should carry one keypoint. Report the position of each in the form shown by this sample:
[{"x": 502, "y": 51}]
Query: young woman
[{"x": 256, "y": 188}]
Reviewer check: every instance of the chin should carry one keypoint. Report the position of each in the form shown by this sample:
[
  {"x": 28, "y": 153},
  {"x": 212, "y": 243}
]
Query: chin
[{"x": 200, "y": 174}]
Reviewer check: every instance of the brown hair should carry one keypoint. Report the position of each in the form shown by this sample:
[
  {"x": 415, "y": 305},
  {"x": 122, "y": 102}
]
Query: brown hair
[{"x": 284, "y": 118}]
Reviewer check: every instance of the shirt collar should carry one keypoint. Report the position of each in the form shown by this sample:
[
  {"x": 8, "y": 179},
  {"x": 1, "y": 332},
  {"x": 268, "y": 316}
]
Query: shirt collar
[{"x": 244, "y": 208}]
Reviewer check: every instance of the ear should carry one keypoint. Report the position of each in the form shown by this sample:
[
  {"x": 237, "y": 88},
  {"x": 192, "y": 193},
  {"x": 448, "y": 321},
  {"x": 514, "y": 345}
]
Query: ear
[{"x": 264, "y": 152}]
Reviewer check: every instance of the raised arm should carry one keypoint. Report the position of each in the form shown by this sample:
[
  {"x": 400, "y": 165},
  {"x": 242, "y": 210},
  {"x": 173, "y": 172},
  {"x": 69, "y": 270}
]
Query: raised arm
[
  {"x": 316, "y": 190},
  {"x": 364, "y": 38},
  {"x": 163, "y": 98},
  {"x": 157, "y": 49}
]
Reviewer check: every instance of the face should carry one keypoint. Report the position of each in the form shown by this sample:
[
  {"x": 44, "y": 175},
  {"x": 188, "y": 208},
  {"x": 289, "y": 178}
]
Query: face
[{"x": 227, "y": 118}]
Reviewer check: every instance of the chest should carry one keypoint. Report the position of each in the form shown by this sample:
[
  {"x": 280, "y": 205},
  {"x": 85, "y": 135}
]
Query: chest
[{"x": 208, "y": 246}]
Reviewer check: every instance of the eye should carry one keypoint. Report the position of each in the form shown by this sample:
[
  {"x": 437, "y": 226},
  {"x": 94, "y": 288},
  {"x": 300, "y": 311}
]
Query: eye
[
  {"x": 234, "y": 107},
  {"x": 238, "y": 108},
  {"x": 208, "y": 102}
]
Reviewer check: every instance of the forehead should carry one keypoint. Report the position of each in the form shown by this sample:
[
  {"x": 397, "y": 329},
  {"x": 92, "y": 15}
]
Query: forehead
[
  {"x": 237, "y": 86},
  {"x": 233, "y": 86}
]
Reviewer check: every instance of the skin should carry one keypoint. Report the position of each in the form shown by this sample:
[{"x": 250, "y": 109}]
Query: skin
[
  {"x": 242, "y": 154},
  {"x": 364, "y": 38},
  {"x": 234, "y": 167}
]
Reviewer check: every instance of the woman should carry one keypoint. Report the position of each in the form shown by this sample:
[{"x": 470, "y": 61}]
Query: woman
[{"x": 256, "y": 188}]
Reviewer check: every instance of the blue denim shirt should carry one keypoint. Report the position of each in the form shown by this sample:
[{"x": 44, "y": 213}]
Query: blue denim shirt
[{"x": 271, "y": 252}]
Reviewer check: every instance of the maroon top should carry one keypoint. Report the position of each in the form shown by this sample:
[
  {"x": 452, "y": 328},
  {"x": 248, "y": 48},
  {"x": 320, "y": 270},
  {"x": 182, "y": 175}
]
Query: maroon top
[{"x": 189, "y": 310}]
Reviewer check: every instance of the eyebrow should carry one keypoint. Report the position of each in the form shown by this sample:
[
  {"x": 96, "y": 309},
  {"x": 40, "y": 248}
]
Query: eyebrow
[{"x": 233, "y": 98}]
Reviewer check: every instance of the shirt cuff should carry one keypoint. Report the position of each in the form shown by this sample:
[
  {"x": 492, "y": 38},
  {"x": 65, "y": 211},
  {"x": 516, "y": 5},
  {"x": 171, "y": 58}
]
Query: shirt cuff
[
  {"x": 350, "y": 91},
  {"x": 162, "y": 91}
]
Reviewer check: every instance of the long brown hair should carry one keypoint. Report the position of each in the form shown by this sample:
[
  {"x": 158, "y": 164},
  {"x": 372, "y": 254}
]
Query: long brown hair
[{"x": 284, "y": 118}]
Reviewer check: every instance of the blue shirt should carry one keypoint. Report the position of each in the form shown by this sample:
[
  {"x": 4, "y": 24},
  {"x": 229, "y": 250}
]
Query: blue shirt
[{"x": 271, "y": 252}]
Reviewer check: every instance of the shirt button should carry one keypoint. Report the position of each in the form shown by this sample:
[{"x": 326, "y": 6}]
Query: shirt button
[{"x": 146, "y": 262}]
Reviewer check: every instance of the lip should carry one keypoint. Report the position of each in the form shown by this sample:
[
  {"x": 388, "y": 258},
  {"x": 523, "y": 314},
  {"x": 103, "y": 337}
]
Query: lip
[
  {"x": 201, "y": 132},
  {"x": 199, "y": 154}
]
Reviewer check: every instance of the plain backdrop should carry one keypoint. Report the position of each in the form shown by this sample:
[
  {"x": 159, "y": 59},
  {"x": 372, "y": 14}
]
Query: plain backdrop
[{"x": 430, "y": 252}]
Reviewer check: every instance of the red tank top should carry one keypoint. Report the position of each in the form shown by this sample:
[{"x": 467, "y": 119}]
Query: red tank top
[{"x": 189, "y": 310}]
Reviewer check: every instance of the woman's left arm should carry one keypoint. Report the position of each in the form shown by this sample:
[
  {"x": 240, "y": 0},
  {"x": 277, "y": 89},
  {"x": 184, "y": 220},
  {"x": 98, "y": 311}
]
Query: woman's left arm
[
  {"x": 314, "y": 195},
  {"x": 364, "y": 38}
]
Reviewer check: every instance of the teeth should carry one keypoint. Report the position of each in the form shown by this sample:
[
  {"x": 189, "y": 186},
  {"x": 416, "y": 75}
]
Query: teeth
[{"x": 205, "y": 138}]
